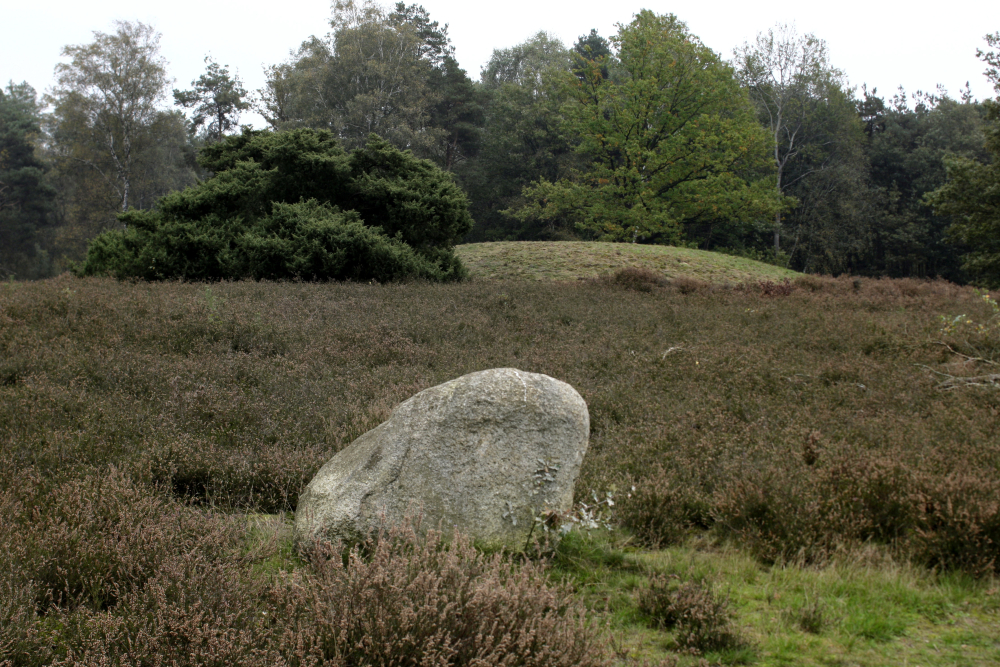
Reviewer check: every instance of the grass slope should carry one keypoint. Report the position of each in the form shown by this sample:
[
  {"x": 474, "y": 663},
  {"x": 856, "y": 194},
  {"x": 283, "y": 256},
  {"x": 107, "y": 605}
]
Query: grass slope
[{"x": 577, "y": 260}]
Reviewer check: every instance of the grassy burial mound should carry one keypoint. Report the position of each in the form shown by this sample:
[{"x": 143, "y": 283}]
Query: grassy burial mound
[
  {"x": 570, "y": 260},
  {"x": 814, "y": 471}
]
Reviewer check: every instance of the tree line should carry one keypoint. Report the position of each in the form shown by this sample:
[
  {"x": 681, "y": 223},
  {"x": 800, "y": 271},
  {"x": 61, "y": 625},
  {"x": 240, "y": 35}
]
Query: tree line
[{"x": 644, "y": 136}]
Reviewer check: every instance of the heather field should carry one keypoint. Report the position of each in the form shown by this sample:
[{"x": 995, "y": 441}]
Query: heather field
[{"x": 802, "y": 473}]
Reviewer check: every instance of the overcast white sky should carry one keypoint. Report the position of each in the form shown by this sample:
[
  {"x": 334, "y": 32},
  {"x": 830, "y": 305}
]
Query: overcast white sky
[{"x": 883, "y": 44}]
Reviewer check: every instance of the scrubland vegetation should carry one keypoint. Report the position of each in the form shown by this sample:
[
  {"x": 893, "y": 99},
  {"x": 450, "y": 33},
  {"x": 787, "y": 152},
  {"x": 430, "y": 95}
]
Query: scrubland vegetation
[
  {"x": 814, "y": 482},
  {"x": 784, "y": 469}
]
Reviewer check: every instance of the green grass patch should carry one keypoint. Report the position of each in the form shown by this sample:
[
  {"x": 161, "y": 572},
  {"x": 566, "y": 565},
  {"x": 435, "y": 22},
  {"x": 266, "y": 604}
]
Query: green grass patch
[{"x": 847, "y": 612}]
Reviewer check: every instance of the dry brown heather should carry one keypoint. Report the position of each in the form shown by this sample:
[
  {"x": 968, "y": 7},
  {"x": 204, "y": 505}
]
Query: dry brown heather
[{"x": 793, "y": 419}]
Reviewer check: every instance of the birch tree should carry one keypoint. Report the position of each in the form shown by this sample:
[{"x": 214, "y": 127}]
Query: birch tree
[
  {"x": 111, "y": 89},
  {"x": 788, "y": 75}
]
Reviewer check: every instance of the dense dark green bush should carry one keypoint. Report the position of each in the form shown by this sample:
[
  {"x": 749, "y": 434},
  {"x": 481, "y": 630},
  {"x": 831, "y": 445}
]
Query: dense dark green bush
[{"x": 295, "y": 205}]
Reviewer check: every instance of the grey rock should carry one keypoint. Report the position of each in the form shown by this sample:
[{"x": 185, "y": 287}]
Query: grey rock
[{"x": 485, "y": 453}]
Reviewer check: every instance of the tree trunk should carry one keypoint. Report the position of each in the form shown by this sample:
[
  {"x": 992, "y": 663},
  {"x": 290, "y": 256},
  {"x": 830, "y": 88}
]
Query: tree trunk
[
  {"x": 777, "y": 233},
  {"x": 780, "y": 165}
]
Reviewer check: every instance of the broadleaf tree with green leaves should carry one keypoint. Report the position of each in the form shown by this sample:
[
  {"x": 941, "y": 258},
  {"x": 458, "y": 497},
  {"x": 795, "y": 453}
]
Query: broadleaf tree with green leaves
[
  {"x": 369, "y": 75},
  {"x": 670, "y": 139},
  {"x": 111, "y": 144}
]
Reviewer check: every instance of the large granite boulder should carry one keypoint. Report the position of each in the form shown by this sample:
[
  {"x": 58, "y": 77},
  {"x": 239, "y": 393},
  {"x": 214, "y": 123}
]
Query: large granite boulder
[{"x": 485, "y": 453}]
